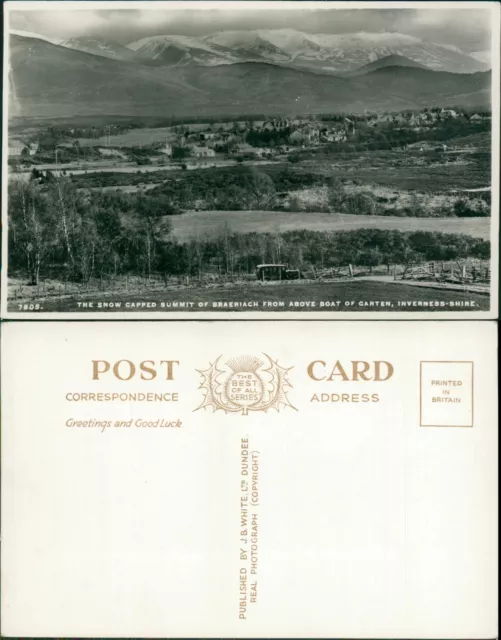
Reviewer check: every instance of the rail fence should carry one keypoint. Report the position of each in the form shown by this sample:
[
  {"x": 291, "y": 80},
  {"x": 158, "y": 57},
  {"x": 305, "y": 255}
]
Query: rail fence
[{"x": 463, "y": 272}]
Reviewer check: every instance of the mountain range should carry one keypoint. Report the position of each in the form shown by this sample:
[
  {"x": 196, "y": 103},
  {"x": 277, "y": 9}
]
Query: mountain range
[
  {"x": 46, "y": 79},
  {"x": 321, "y": 52}
]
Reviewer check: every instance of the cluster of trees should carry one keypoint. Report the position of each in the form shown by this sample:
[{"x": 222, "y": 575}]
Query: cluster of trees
[
  {"x": 268, "y": 138},
  {"x": 394, "y": 136},
  {"x": 270, "y": 187},
  {"x": 468, "y": 112},
  {"x": 244, "y": 188},
  {"x": 55, "y": 229},
  {"x": 473, "y": 207},
  {"x": 233, "y": 253},
  {"x": 384, "y": 136},
  {"x": 367, "y": 203},
  {"x": 235, "y": 189},
  {"x": 240, "y": 187},
  {"x": 83, "y": 235},
  {"x": 203, "y": 181}
]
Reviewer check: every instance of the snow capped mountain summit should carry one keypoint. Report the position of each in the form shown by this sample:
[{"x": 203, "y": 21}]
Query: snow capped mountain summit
[
  {"x": 323, "y": 52},
  {"x": 295, "y": 44},
  {"x": 289, "y": 40},
  {"x": 341, "y": 52},
  {"x": 179, "y": 50},
  {"x": 482, "y": 56},
  {"x": 247, "y": 45},
  {"x": 232, "y": 39},
  {"x": 153, "y": 41}
]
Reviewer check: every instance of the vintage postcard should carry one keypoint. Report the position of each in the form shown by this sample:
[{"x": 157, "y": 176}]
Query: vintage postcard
[
  {"x": 179, "y": 480},
  {"x": 251, "y": 160}
]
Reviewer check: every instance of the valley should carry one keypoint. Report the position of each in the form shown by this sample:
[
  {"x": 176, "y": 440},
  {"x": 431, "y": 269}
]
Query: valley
[{"x": 174, "y": 164}]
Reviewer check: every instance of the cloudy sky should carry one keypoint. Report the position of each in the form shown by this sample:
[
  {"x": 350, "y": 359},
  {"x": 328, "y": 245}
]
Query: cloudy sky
[{"x": 467, "y": 29}]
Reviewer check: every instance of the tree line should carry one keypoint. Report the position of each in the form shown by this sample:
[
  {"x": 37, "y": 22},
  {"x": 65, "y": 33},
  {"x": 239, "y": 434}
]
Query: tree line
[
  {"x": 68, "y": 234},
  {"x": 273, "y": 187}
]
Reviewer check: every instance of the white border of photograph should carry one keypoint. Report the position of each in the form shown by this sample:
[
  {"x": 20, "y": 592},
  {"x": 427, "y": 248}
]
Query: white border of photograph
[{"x": 49, "y": 5}]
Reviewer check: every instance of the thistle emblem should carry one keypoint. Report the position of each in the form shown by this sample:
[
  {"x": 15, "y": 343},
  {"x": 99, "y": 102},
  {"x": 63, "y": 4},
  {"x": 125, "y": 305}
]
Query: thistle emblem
[{"x": 244, "y": 384}]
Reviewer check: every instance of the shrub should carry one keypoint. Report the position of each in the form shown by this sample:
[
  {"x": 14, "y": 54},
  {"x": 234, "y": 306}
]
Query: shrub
[
  {"x": 471, "y": 208},
  {"x": 359, "y": 204},
  {"x": 336, "y": 198},
  {"x": 179, "y": 153},
  {"x": 295, "y": 204}
]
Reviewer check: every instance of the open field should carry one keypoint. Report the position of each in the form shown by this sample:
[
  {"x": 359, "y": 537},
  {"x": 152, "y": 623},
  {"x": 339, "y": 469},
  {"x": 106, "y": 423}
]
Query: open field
[
  {"x": 424, "y": 171},
  {"x": 145, "y": 136},
  {"x": 211, "y": 223},
  {"x": 337, "y": 296},
  {"x": 433, "y": 177},
  {"x": 132, "y": 138}
]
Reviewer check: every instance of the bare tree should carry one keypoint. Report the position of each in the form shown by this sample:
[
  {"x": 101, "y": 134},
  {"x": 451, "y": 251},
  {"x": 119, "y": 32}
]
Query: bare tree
[
  {"x": 261, "y": 188},
  {"x": 30, "y": 228},
  {"x": 63, "y": 196}
]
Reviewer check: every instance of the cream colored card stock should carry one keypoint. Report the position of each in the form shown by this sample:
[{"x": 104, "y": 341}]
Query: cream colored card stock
[{"x": 249, "y": 480}]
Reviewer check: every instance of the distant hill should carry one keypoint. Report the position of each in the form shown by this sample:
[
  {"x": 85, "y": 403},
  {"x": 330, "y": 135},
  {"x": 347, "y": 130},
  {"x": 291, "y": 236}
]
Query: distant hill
[
  {"x": 51, "y": 80},
  {"x": 31, "y": 34},
  {"x": 47, "y": 79},
  {"x": 482, "y": 56},
  {"x": 392, "y": 60},
  {"x": 99, "y": 47},
  {"x": 427, "y": 87}
]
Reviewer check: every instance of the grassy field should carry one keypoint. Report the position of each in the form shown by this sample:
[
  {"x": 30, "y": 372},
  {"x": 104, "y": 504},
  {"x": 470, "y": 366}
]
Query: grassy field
[
  {"x": 436, "y": 177},
  {"x": 211, "y": 223},
  {"x": 340, "y": 296},
  {"x": 149, "y": 135},
  {"x": 132, "y": 138},
  {"x": 411, "y": 170}
]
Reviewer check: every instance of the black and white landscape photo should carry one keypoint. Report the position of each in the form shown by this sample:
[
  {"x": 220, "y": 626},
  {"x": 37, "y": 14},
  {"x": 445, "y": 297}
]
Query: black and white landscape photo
[{"x": 262, "y": 157}]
